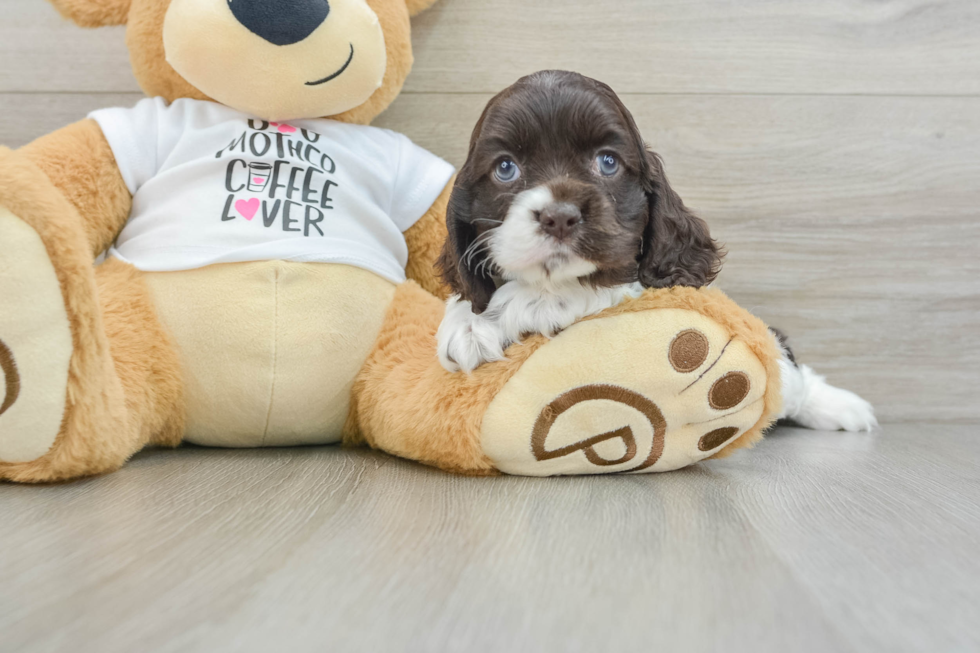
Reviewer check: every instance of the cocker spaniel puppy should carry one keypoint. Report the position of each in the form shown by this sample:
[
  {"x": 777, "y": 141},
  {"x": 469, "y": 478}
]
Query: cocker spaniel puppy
[{"x": 561, "y": 211}]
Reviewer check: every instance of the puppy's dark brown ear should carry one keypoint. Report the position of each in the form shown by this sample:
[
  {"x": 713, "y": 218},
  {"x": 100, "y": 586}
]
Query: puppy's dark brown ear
[
  {"x": 463, "y": 263},
  {"x": 677, "y": 247}
]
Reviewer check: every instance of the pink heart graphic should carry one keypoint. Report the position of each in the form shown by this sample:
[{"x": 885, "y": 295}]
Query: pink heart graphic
[
  {"x": 258, "y": 180},
  {"x": 286, "y": 129},
  {"x": 247, "y": 209}
]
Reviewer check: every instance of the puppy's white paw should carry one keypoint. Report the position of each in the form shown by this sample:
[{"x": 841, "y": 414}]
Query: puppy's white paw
[
  {"x": 812, "y": 402},
  {"x": 466, "y": 340},
  {"x": 834, "y": 409}
]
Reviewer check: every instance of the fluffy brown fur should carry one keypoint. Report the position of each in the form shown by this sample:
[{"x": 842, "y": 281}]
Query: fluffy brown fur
[
  {"x": 94, "y": 13},
  {"x": 105, "y": 415},
  {"x": 405, "y": 403},
  {"x": 77, "y": 159},
  {"x": 424, "y": 240},
  {"x": 630, "y": 224},
  {"x": 144, "y": 356},
  {"x": 124, "y": 385},
  {"x": 416, "y": 7}
]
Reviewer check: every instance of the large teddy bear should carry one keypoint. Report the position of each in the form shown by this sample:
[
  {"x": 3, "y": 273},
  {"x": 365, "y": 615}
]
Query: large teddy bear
[{"x": 269, "y": 279}]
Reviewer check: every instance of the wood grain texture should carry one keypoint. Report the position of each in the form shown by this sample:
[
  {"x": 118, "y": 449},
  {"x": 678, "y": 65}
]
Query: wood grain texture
[
  {"x": 811, "y": 542},
  {"x": 706, "y": 46},
  {"x": 41, "y": 51},
  {"x": 34, "y": 114}
]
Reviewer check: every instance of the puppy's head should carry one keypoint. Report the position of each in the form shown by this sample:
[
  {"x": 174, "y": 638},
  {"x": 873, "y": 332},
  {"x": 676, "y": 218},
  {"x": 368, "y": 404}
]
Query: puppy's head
[{"x": 559, "y": 187}]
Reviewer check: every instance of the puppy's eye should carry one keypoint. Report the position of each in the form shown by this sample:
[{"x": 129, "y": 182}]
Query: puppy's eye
[
  {"x": 607, "y": 164},
  {"x": 506, "y": 171}
]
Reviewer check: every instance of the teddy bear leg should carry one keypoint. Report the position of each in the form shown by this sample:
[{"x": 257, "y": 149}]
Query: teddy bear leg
[
  {"x": 655, "y": 384},
  {"x": 88, "y": 376},
  {"x": 405, "y": 403}
]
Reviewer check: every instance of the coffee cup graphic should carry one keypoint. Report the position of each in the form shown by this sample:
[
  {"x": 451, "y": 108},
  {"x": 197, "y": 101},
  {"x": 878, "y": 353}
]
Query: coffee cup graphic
[{"x": 258, "y": 176}]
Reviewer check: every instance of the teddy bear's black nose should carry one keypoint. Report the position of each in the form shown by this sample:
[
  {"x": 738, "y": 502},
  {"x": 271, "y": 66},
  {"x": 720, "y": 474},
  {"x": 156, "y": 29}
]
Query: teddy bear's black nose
[{"x": 282, "y": 22}]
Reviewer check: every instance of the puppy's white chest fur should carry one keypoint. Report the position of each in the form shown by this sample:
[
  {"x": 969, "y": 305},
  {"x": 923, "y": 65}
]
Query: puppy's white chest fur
[{"x": 467, "y": 340}]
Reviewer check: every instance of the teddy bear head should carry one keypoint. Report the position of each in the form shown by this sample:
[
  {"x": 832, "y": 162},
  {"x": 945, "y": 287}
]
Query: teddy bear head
[{"x": 274, "y": 59}]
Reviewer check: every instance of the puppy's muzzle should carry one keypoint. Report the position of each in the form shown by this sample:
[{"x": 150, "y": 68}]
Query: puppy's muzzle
[
  {"x": 560, "y": 220},
  {"x": 280, "y": 22}
]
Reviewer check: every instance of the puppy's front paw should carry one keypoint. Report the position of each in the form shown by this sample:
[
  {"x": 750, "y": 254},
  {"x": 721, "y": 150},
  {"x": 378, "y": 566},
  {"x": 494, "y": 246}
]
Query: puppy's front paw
[{"x": 465, "y": 339}]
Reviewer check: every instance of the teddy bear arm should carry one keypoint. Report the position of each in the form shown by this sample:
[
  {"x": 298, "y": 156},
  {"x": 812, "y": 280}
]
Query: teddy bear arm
[
  {"x": 424, "y": 240},
  {"x": 416, "y": 7},
  {"x": 79, "y": 162},
  {"x": 654, "y": 384}
]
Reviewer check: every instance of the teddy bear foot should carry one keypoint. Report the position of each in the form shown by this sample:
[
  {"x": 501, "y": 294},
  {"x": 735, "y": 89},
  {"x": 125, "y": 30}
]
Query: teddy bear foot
[
  {"x": 643, "y": 391},
  {"x": 35, "y": 345}
]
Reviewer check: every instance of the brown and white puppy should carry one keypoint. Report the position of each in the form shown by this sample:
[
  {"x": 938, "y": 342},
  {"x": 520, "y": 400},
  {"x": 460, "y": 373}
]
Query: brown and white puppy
[
  {"x": 561, "y": 211},
  {"x": 558, "y": 212}
]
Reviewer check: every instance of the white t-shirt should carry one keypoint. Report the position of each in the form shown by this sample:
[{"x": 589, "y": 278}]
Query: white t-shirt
[{"x": 210, "y": 185}]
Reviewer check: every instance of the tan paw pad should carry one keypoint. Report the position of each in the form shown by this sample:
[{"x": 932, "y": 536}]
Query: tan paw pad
[
  {"x": 35, "y": 345},
  {"x": 636, "y": 392}
]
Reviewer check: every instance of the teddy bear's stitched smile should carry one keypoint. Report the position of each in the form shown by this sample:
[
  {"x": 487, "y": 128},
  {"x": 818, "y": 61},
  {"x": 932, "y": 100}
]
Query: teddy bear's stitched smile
[{"x": 336, "y": 74}]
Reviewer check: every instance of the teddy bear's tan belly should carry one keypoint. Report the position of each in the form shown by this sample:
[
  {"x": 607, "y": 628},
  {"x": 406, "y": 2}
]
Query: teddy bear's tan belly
[{"x": 270, "y": 349}]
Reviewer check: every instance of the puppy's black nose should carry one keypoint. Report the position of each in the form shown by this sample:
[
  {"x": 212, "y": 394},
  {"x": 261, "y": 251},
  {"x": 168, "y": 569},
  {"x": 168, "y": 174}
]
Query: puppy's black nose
[
  {"x": 280, "y": 22},
  {"x": 560, "y": 219}
]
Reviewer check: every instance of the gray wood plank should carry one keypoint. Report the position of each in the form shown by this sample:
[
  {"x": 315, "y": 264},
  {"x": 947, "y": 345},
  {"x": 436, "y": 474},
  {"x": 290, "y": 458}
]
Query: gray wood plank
[
  {"x": 642, "y": 46},
  {"x": 705, "y": 46},
  {"x": 40, "y": 51},
  {"x": 33, "y": 115},
  {"x": 861, "y": 528},
  {"x": 811, "y": 542},
  {"x": 852, "y": 223}
]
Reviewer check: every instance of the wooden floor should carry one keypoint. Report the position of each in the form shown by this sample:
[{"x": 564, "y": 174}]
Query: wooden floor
[
  {"x": 834, "y": 145},
  {"x": 812, "y": 542}
]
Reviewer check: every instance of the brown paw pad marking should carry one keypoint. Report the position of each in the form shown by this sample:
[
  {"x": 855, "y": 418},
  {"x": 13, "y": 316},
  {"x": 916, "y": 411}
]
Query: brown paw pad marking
[
  {"x": 716, "y": 438},
  {"x": 553, "y": 411},
  {"x": 10, "y": 377},
  {"x": 688, "y": 351},
  {"x": 729, "y": 391}
]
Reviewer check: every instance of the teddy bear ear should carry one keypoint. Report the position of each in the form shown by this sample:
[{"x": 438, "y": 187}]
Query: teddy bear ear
[
  {"x": 94, "y": 13},
  {"x": 416, "y": 7}
]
